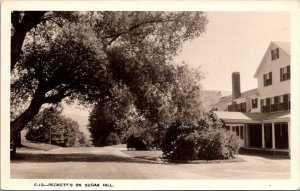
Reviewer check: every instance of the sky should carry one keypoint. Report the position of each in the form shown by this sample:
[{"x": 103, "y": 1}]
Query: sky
[{"x": 234, "y": 41}]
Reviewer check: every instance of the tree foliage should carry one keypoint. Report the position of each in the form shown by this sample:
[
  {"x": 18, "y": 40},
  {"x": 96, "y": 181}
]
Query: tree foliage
[
  {"x": 115, "y": 114},
  {"x": 82, "y": 55},
  {"x": 146, "y": 114},
  {"x": 51, "y": 124},
  {"x": 205, "y": 140}
]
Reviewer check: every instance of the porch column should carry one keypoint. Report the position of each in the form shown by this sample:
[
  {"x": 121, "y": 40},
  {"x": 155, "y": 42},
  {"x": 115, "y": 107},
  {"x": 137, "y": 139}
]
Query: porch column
[
  {"x": 263, "y": 135},
  {"x": 247, "y": 136},
  {"x": 273, "y": 136}
]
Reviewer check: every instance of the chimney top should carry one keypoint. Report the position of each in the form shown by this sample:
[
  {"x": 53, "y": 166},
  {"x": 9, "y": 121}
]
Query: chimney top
[{"x": 236, "y": 86}]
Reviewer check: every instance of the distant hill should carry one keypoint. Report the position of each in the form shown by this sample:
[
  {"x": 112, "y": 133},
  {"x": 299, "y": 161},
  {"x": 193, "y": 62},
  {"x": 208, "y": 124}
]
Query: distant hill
[{"x": 82, "y": 121}]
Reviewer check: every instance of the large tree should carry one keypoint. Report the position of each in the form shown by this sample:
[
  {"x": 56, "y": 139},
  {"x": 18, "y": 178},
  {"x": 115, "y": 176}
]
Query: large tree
[
  {"x": 77, "y": 59},
  {"x": 147, "y": 104}
]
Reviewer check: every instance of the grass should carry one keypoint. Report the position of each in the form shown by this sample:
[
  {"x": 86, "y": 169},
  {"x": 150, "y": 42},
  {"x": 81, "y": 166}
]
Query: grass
[
  {"x": 134, "y": 153},
  {"x": 39, "y": 146}
]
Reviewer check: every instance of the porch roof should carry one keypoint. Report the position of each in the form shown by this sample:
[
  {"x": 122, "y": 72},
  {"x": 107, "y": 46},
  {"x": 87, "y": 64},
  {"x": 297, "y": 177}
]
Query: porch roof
[{"x": 241, "y": 117}]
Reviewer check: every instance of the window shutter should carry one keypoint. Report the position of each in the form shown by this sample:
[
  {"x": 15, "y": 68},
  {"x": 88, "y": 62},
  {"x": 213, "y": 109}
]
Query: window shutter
[
  {"x": 270, "y": 77},
  {"x": 276, "y": 99},
  {"x": 264, "y": 79},
  {"x": 288, "y": 72},
  {"x": 281, "y": 74}
]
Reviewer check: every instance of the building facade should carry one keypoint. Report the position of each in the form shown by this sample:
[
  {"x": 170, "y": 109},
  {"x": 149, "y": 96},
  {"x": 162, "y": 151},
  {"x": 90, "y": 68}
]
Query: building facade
[{"x": 261, "y": 116}]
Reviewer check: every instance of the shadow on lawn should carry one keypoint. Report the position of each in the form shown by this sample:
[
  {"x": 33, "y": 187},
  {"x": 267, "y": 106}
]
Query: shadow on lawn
[
  {"x": 266, "y": 156},
  {"x": 73, "y": 157}
]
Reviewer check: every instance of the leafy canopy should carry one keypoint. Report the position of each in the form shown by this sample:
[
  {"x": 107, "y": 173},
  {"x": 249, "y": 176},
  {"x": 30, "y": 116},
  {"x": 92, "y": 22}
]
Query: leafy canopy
[{"x": 86, "y": 57}]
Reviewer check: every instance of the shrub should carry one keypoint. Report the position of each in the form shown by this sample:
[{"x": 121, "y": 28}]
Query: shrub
[
  {"x": 112, "y": 139},
  {"x": 207, "y": 140},
  {"x": 135, "y": 141},
  {"x": 217, "y": 144},
  {"x": 210, "y": 144},
  {"x": 179, "y": 142}
]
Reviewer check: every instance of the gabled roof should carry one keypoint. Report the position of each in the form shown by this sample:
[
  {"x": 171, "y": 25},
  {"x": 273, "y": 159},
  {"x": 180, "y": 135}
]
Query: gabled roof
[
  {"x": 284, "y": 46},
  {"x": 245, "y": 94},
  {"x": 241, "y": 117}
]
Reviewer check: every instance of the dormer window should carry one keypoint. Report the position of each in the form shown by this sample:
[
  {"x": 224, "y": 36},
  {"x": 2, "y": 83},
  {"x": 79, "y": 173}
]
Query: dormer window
[
  {"x": 285, "y": 73},
  {"x": 268, "y": 79},
  {"x": 275, "y": 54}
]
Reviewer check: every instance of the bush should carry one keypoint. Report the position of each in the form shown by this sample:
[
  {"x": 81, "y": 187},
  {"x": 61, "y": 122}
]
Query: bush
[
  {"x": 185, "y": 147},
  {"x": 210, "y": 144},
  {"x": 207, "y": 140},
  {"x": 217, "y": 144},
  {"x": 135, "y": 141},
  {"x": 112, "y": 139},
  {"x": 179, "y": 142}
]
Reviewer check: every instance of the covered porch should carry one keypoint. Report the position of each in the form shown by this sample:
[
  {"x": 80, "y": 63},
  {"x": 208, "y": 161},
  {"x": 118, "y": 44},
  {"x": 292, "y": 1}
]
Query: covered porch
[{"x": 264, "y": 133}]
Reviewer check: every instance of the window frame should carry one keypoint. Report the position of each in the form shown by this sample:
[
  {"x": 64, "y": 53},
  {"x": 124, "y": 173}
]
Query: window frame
[
  {"x": 275, "y": 54},
  {"x": 254, "y": 103},
  {"x": 267, "y": 78},
  {"x": 285, "y": 75}
]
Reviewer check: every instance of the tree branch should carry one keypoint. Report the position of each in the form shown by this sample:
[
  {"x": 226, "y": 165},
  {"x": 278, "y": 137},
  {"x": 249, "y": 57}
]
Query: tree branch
[
  {"x": 29, "y": 21},
  {"x": 58, "y": 97},
  {"x": 117, "y": 35}
]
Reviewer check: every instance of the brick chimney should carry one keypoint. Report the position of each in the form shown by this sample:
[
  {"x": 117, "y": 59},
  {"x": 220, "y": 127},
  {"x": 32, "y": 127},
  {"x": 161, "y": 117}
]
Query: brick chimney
[{"x": 236, "y": 86}]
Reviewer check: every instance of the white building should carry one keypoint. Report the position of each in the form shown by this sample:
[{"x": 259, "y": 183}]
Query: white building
[{"x": 261, "y": 117}]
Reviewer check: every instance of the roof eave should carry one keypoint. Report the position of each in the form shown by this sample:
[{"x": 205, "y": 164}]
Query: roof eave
[{"x": 261, "y": 62}]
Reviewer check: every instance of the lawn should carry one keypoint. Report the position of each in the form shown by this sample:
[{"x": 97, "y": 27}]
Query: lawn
[
  {"x": 149, "y": 155},
  {"x": 39, "y": 146}
]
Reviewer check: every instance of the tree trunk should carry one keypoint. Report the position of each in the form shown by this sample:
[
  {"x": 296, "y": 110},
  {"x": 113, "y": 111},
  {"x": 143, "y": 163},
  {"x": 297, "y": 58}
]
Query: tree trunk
[
  {"x": 20, "y": 122},
  {"x": 16, "y": 46},
  {"x": 29, "y": 21}
]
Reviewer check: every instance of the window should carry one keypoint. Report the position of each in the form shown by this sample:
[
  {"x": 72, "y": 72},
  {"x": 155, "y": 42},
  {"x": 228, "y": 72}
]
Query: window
[
  {"x": 254, "y": 103},
  {"x": 243, "y": 107},
  {"x": 275, "y": 54},
  {"x": 284, "y": 102},
  {"x": 265, "y": 105},
  {"x": 268, "y": 79},
  {"x": 281, "y": 98},
  {"x": 285, "y": 73},
  {"x": 275, "y": 105}
]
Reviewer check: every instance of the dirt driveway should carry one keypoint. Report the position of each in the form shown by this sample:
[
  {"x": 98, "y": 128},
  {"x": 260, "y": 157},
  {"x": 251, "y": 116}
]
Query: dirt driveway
[{"x": 111, "y": 163}]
